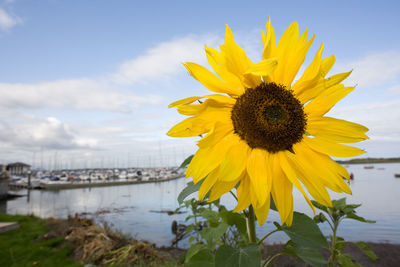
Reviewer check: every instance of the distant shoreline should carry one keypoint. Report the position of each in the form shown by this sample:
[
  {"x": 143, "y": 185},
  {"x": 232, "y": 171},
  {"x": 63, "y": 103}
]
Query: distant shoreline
[{"x": 369, "y": 160}]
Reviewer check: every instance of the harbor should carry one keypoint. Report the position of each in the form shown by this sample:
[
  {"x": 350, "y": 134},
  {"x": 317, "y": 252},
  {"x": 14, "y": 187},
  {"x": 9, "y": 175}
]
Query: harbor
[{"x": 21, "y": 177}]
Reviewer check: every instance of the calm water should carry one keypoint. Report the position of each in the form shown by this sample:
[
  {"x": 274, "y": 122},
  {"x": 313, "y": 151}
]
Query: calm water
[{"x": 129, "y": 208}]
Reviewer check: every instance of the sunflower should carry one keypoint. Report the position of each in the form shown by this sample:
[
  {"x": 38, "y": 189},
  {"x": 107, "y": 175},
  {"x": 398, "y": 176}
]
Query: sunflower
[{"x": 266, "y": 132}]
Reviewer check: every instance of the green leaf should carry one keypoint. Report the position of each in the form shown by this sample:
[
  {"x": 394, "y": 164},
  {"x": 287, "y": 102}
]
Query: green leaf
[
  {"x": 193, "y": 250},
  {"x": 189, "y": 189},
  {"x": 320, "y": 218},
  {"x": 202, "y": 258},
  {"x": 213, "y": 234},
  {"x": 305, "y": 232},
  {"x": 350, "y": 208},
  {"x": 346, "y": 261},
  {"x": 319, "y": 206},
  {"x": 339, "y": 204},
  {"x": 210, "y": 215},
  {"x": 186, "y": 162},
  {"x": 308, "y": 255},
  {"x": 353, "y": 206},
  {"x": 367, "y": 251},
  {"x": 353, "y": 216},
  {"x": 248, "y": 256},
  {"x": 236, "y": 219}
]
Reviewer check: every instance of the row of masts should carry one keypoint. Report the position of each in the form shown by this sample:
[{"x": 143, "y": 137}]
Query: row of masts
[{"x": 56, "y": 160}]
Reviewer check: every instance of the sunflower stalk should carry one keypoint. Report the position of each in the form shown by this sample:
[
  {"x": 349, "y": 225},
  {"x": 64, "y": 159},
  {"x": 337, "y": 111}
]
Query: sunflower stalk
[{"x": 251, "y": 225}]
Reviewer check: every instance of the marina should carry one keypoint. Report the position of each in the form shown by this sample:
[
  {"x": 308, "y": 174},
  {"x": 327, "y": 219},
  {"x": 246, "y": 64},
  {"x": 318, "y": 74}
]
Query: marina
[{"x": 69, "y": 179}]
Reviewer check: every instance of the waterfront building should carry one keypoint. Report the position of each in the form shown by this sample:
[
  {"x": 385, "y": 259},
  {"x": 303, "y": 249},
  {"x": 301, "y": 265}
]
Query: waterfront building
[{"x": 18, "y": 168}]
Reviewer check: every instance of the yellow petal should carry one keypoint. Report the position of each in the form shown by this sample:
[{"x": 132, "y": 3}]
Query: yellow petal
[
  {"x": 322, "y": 85},
  {"x": 264, "y": 67},
  {"x": 281, "y": 190},
  {"x": 326, "y": 65},
  {"x": 207, "y": 159},
  {"x": 310, "y": 178},
  {"x": 291, "y": 51},
  {"x": 220, "y": 188},
  {"x": 289, "y": 219},
  {"x": 209, "y": 80},
  {"x": 235, "y": 55},
  {"x": 190, "y": 127},
  {"x": 190, "y": 110},
  {"x": 219, "y": 65},
  {"x": 243, "y": 193},
  {"x": 234, "y": 162},
  {"x": 311, "y": 75},
  {"x": 336, "y": 130},
  {"x": 219, "y": 131},
  {"x": 269, "y": 43},
  {"x": 202, "y": 122},
  {"x": 209, "y": 181},
  {"x": 262, "y": 212},
  {"x": 207, "y": 105},
  {"x": 259, "y": 175},
  {"x": 185, "y": 101},
  {"x": 332, "y": 149},
  {"x": 320, "y": 105},
  {"x": 218, "y": 98},
  {"x": 215, "y": 113},
  {"x": 322, "y": 168},
  {"x": 292, "y": 175},
  {"x": 237, "y": 60}
]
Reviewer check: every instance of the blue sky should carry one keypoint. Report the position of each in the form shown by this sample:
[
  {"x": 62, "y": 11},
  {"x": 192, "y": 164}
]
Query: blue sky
[{"x": 88, "y": 82}]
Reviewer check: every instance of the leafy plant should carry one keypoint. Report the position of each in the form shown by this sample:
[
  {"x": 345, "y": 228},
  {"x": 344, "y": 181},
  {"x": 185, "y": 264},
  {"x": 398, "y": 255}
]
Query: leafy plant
[
  {"x": 333, "y": 216},
  {"x": 219, "y": 237}
]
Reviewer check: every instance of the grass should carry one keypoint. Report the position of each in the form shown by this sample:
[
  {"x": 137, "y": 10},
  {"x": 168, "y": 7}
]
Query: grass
[
  {"x": 20, "y": 247},
  {"x": 23, "y": 247}
]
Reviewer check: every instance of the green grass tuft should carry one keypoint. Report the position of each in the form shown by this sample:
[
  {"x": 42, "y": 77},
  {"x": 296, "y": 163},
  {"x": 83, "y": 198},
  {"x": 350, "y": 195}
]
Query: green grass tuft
[{"x": 20, "y": 247}]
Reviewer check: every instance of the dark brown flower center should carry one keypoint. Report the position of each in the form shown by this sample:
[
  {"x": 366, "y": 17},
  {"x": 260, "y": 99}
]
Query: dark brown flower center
[{"x": 269, "y": 117}]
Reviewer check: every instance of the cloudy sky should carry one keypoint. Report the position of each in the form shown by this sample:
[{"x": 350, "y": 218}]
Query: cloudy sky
[{"x": 87, "y": 83}]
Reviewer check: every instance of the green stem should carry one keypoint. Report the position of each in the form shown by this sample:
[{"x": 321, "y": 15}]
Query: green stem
[
  {"x": 196, "y": 225},
  {"x": 271, "y": 259},
  {"x": 251, "y": 225},
  {"x": 267, "y": 235},
  {"x": 332, "y": 258},
  {"x": 234, "y": 196}
]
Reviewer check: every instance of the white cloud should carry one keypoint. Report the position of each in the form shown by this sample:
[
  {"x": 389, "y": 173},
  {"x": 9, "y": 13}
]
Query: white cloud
[
  {"x": 72, "y": 94},
  {"x": 164, "y": 60},
  {"x": 110, "y": 93},
  {"x": 8, "y": 21},
  {"x": 382, "y": 118},
  {"x": 49, "y": 133},
  {"x": 22, "y": 134},
  {"x": 394, "y": 90},
  {"x": 374, "y": 69}
]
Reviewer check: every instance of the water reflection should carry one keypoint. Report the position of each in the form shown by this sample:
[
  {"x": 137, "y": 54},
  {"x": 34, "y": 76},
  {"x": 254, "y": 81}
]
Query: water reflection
[
  {"x": 127, "y": 207},
  {"x": 3, "y": 206}
]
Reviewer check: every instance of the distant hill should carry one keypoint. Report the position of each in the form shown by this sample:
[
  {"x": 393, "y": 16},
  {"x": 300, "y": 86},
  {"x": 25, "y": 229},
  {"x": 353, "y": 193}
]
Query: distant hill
[{"x": 369, "y": 160}]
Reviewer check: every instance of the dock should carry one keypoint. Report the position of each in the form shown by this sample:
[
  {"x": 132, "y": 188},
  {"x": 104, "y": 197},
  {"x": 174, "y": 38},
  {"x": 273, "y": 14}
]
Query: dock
[{"x": 74, "y": 185}]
